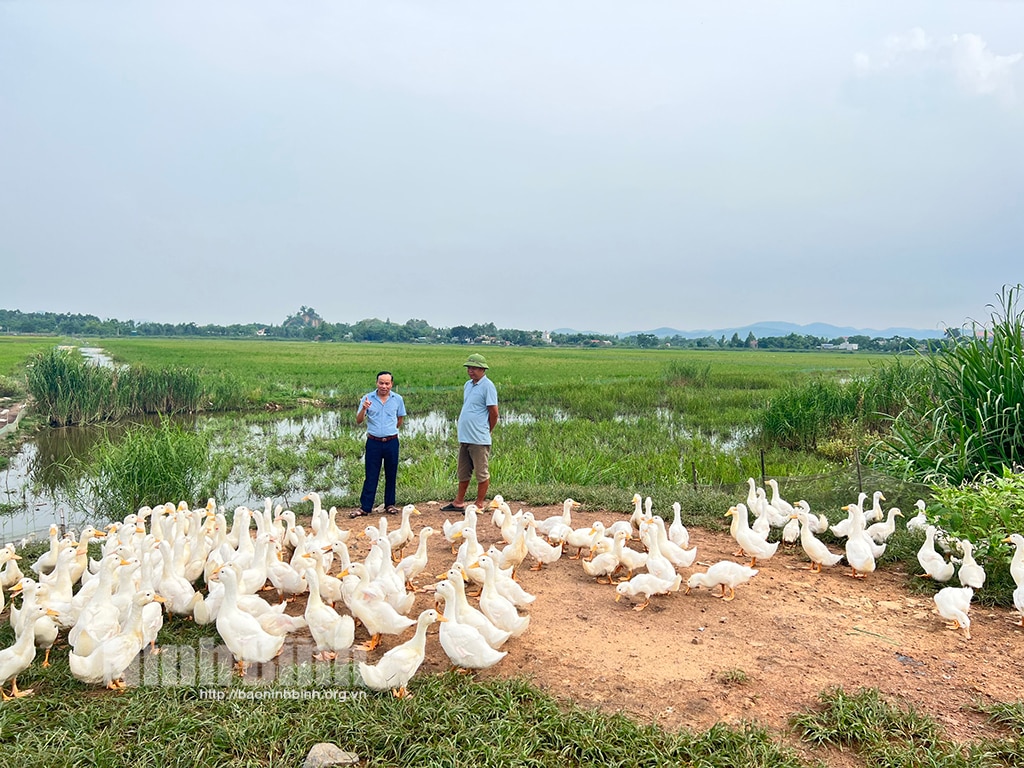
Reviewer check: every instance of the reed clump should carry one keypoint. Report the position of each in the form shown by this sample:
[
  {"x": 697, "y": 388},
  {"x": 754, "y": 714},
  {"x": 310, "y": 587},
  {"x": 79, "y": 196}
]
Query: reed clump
[{"x": 70, "y": 390}]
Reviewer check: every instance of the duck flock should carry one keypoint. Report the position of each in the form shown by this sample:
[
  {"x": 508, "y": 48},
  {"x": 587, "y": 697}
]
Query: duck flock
[{"x": 172, "y": 561}]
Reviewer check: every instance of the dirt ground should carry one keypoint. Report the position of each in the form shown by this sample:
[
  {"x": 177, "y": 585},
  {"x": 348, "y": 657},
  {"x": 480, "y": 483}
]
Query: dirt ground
[{"x": 694, "y": 660}]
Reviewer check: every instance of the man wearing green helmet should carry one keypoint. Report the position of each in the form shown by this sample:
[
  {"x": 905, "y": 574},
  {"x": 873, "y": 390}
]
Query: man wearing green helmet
[{"x": 476, "y": 422}]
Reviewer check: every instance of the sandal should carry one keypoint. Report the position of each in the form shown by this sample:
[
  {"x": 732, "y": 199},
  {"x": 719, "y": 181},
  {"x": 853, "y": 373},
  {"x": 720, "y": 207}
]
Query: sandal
[
  {"x": 358, "y": 513},
  {"x": 450, "y": 507},
  {"x": 393, "y": 510}
]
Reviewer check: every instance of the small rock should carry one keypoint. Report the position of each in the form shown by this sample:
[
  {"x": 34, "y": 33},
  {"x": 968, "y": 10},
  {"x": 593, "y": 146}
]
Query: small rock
[
  {"x": 697, "y": 641},
  {"x": 326, "y": 754}
]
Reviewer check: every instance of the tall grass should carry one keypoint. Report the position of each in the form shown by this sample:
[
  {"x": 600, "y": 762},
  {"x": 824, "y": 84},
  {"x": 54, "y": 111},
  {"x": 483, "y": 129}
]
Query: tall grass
[
  {"x": 971, "y": 422},
  {"x": 71, "y": 390},
  {"x": 149, "y": 466}
]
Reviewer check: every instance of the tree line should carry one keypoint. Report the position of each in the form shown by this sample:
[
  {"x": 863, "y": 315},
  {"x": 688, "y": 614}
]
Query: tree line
[{"x": 307, "y": 324}]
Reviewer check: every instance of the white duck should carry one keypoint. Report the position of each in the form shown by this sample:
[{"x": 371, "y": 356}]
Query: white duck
[
  {"x": 464, "y": 644},
  {"x": 81, "y": 560},
  {"x": 411, "y": 566},
  {"x": 934, "y": 564},
  {"x": 470, "y": 615},
  {"x": 47, "y": 561},
  {"x": 604, "y": 564},
  {"x": 11, "y": 574},
  {"x": 646, "y": 584},
  {"x": 507, "y": 587},
  {"x": 970, "y": 574},
  {"x": 511, "y": 556},
  {"x": 499, "y": 609},
  {"x": 500, "y": 509},
  {"x": 638, "y": 512},
  {"x": 397, "y": 667},
  {"x": 875, "y": 513},
  {"x": 401, "y": 536},
  {"x": 953, "y": 604},
  {"x": 1017, "y": 563},
  {"x": 16, "y": 658},
  {"x": 629, "y": 558},
  {"x": 108, "y": 661},
  {"x": 818, "y": 523},
  {"x": 815, "y": 549},
  {"x": 679, "y": 557},
  {"x": 657, "y": 564},
  {"x": 880, "y": 532},
  {"x": 332, "y": 631},
  {"x": 582, "y": 538},
  {"x": 860, "y": 549},
  {"x": 920, "y": 520},
  {"x": 1017, "y": 572},
  {"x": 286, "y": 580},
  {"x": 542, "y": 552},
  {"x": 784, "y": 509},
  {"x": 242, "y": 632},
  {"x": 548, "y": 524},
  {"x": 791, "y": 530},
  {"x": 677, "y": 532},
  {"x": 177, "y": 591},
  {"x": 453, "y": 531},
  {"x": 842, "y": 527},
  {"x": 752, "y": 544},
  {"x": 373, "y": 610},
  {"x": 503, "y": 518},
  {"x": 724, "y": 574}
]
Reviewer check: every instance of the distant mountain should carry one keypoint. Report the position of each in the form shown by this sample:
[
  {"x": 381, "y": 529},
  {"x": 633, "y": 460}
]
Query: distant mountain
[{"x": 780, "y": 328}]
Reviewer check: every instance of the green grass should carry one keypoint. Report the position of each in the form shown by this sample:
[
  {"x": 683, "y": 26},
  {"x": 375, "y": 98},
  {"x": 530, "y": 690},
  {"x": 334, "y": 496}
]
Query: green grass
[
  {"x": 886, "y": 735},
  {"x": 588, "y": 383},
  {"x": 15, "y": 350},
  {"x": 450, "y": 721}
]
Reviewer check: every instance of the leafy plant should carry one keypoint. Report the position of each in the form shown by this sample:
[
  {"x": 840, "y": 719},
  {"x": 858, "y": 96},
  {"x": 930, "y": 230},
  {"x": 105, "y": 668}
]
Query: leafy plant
[
  {"x": 734, "y": 676},
  {"x": 970, "y": 419}
]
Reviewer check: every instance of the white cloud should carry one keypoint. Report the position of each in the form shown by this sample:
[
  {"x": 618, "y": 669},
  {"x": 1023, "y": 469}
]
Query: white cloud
[
  {"x": 973, "y": 66},
  {"x": 979, "y": 70}
]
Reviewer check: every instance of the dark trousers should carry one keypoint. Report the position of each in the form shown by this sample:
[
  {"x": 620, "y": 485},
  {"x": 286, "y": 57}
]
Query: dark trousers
[{"x": 378, "y": 453}]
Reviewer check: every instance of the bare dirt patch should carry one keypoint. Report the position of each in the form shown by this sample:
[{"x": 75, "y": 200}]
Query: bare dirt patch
[{"x": 695, "y": 660}]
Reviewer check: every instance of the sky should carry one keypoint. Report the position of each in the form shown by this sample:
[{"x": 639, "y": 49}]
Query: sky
[{"x": 587, "y": 164}]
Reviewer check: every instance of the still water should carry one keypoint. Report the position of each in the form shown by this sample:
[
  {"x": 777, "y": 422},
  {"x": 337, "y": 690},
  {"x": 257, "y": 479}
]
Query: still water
[{"x": 32, "y": 495}]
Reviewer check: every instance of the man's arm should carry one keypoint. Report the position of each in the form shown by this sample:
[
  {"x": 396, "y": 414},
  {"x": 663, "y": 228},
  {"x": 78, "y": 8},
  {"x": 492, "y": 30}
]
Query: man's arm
[{"x": 492, "y": 416}]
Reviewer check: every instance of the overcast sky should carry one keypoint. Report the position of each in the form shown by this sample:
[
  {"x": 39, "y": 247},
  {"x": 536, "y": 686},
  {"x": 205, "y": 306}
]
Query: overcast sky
[{"x": 597, "y": 164}]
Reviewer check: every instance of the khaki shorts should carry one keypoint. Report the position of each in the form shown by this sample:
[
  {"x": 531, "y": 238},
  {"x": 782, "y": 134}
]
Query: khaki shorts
[{"x": 472, "y": 458}]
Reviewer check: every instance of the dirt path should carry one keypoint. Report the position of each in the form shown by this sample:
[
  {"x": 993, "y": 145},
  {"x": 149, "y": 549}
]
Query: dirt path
[{"x": 694, "y": 660}]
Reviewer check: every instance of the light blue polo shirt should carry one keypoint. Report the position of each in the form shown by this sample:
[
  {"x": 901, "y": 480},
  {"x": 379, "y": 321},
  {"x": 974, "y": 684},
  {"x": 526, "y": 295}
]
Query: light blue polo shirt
[
  {"x": 473, "y": 421},
  {"x": 382, "y": 418}
]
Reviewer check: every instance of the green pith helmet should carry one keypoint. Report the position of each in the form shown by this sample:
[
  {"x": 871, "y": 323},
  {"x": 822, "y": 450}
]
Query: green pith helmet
[{"x": 475, "y": 361}]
